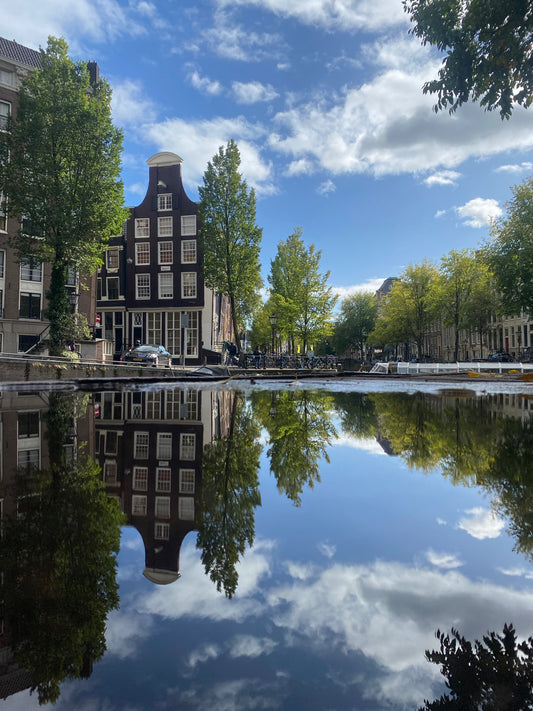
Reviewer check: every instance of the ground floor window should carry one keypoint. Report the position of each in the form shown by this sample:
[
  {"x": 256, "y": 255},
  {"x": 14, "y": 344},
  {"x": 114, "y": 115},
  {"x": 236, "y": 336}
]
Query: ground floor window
[
  {"x": 153, "y": 328},
  {"x": 30, "y": 305}
]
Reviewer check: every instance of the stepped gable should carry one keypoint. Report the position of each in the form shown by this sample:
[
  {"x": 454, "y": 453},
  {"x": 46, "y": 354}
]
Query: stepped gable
[{"x": 19, "y": 53}]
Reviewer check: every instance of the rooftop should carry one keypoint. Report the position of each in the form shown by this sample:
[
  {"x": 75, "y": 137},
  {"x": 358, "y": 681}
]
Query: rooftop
[{"x": 9, "y": 49}]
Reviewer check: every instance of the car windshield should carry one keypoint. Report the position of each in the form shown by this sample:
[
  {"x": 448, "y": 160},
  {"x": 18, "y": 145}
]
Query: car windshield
[{"x": 146, "y": 349}]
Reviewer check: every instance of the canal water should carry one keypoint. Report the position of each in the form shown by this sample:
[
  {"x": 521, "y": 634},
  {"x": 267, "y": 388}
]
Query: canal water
[{"x": 293, "y": 546}]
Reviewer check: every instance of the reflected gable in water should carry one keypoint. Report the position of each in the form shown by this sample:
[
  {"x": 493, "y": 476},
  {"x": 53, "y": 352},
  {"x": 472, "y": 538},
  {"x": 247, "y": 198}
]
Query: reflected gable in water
[{"x": 322, "y": 544}]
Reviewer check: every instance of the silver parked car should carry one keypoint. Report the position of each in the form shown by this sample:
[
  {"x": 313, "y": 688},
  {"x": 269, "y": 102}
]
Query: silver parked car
[{"x": 148, "y": 355}]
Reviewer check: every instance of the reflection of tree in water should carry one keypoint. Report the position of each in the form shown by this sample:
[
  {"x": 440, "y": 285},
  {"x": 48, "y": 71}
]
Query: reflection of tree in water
[
  {"x": 230, "y": 494},
  {"x": 495, "y": 674},
  {"x": 358, "y": 414},
  {"x": 58, "y": 557},
  {"x": 300, "y": 429}
]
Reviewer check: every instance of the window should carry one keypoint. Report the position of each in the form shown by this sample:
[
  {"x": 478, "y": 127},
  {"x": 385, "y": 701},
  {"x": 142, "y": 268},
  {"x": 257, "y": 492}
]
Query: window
[
  {"x": 28, "y": 425},
  {"x": 112, "y": 258},
  {"x": 162, "y": 507},
  {"x": 30, "y": 305},
  {"x": 189, "y": 409},
  {"x": 113, "y": 287},
  {"x": 164, "y": 202},
  {"x": 187, "y": 446},
  {"x": 110, "y": 473},
  {"x": 6, "y": 77},
  {"x": 27, "y": 458},
  {"x": 71, "y": 277},
  {"x": 138, "y": 505},
  {"x": 142, "y": 286},
  {"x": 164, "y": 445},
  {"x": 140, "y": 478},
  {"x": 166, "y": 286},
  {"x": 164, "y": 226},
  {"x": 163, "y": 477},
  {"x": 140, "y": 444},
  {"x": 31, "y": 271},
  {"x": 165, "y": 253},
  {"x": 153, "y": 405},
  {"x": 188, "y": 285},
  {"x": 188, "y": 251},
  {"x": 186, "y": 508},
  {"x": 142, "y": 227},
  {"x": 142, "y": 253},
  {"x": 173, "y": 333},
  {"x": 26, "y": 342},
  {"x": 188, "y": 225},
  {"x": 162, "y": 531},
  {"x": 187, "y": 481},
  {"x": 3, "y": 213},
  {"x": 192, "y": 334},
  {"x": 111, "y": 441},
  {"x": 5, "y": 113},
  {"x": 2, "y": 263},
  {"x": 153, "y": 327}
]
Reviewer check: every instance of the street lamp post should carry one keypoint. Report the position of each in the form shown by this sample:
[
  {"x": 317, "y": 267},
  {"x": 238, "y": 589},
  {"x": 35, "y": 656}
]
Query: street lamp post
[{"x": 273, "y": 321}]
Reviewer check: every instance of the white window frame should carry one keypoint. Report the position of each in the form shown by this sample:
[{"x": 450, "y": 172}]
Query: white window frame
[
  {"x": 108, "y": 280},
  {"x": 142, "y": 227},
  {"x": 142, "y": 249},
  {"x": 166, "y": 285},
  {"x": 165, "y": 247},
  {"x": 112, "y": 260},
  {"x": 188, "y": 225},
  {"x": 164, "y": 202},
  {"x": 187, "y": 483},
  {"x": 162, "y": 507},
  {"x": 31, "y": 272},
  {"x": 165, "y": 226},
  {"x": 161, "y": 531},
  {"x": 164, "y": 446},
  {"x": 142, "y": 286},
  {"x": 140, "y": 478},
  {"x": 189, "y": 252},
  {"x": 187, "y": 285},
  {"x": 139, "y": 505},
  {"x": 188, "y": 446},
  {"x": 186, "y": 508},
  {"x": 4, "y": 114},
  {"x": 163, "y": 480},
  {"x": 141, "y": 445}
]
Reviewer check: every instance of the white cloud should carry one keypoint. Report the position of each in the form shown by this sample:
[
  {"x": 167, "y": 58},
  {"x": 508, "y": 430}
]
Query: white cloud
[
  {"x": 230, "y": 40},
  {"x": 369, "y": 445},
  {"x": 252, "y": 92},
  {"x": 479, "y": 212},
  {"x": 300, "y": 571},
  {"x": 197, "y": 143},
  {"x": 481, "y": 523},
  {"x": 327, "y": 550},
  {"x": 515, "y": 168},
  {"x": 327, "y": 187},
  {"x": 440, "y": 213},
  {"x": 203, "y": 654},
  {"x": 443, "y": 177},
  {"x": 248, "y": 646},
  {"x": 124, "y": 631},
  {"x": 448, "y": 561},
  {"x": 372, "y": 285},
  {"x": 302, "y": 166},
  {"x": 130, "y": 106},
  {"x": 346, "y": 15},
  {"x": 203, "y": 84}
]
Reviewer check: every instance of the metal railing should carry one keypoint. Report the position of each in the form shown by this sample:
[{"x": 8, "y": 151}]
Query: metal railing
[{"x": 291, "y": 362}]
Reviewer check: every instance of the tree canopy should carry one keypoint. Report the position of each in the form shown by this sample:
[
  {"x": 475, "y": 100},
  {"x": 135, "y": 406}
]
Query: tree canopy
[
  {"x": 356, "y": 320},
  {"x": 299, "y": 292},
  {"x": 229, "y": 236},
  {"x": 510, "y": 251},
  {"x": 62, "y": 176},
  {"x": 488, "y": 51}
]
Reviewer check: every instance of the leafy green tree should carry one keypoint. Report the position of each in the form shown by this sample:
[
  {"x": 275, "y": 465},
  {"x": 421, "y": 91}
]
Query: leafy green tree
[
  {"x": 356, "y": 320},
  {"x": 465, "y": 284},
  {"x": 410, "y": 307},
  {"x": 300, "y": 430},
  {"x": 261, "y": 330},
  {"x": 229, "y": 497},
  {"x": 58, "y": 557},
  {"x": 510, "y": 251},
  {"x": 300, "y": 293},
  {"x": 62, "y": 176},
  {"x": 229, "y": 237},
  {"x": 495, "y": 674},
  {"x": 358, "y": 414},
  {"x": 488, "y": 51}
]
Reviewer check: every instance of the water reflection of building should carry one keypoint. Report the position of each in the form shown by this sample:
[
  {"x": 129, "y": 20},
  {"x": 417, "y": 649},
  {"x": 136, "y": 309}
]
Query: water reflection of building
[
  {"x": 149, "y": 445},
  {"x": 24, "y": 446}
]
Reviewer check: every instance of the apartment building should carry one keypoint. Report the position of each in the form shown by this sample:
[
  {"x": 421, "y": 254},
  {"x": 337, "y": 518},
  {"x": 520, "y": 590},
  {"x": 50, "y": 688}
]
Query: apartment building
[{"x": 151, "y": 288}]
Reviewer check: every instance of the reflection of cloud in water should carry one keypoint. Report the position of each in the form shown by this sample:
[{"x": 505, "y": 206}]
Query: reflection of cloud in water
[
  {"x": 481, "y": 523},
  {"x": 248, "y": 646},
  {"x": 124, "y": 631},
  {"x": 365, "y": 444},
  {"x": 443, "y": 560},
  {"x": 203, "y": 654},
  {"x": 389, "y": 611}
]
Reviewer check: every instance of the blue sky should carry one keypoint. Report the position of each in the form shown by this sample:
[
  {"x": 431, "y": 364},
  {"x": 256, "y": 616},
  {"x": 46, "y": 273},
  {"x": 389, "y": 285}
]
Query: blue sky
[{"x": 324, "y": 100}]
